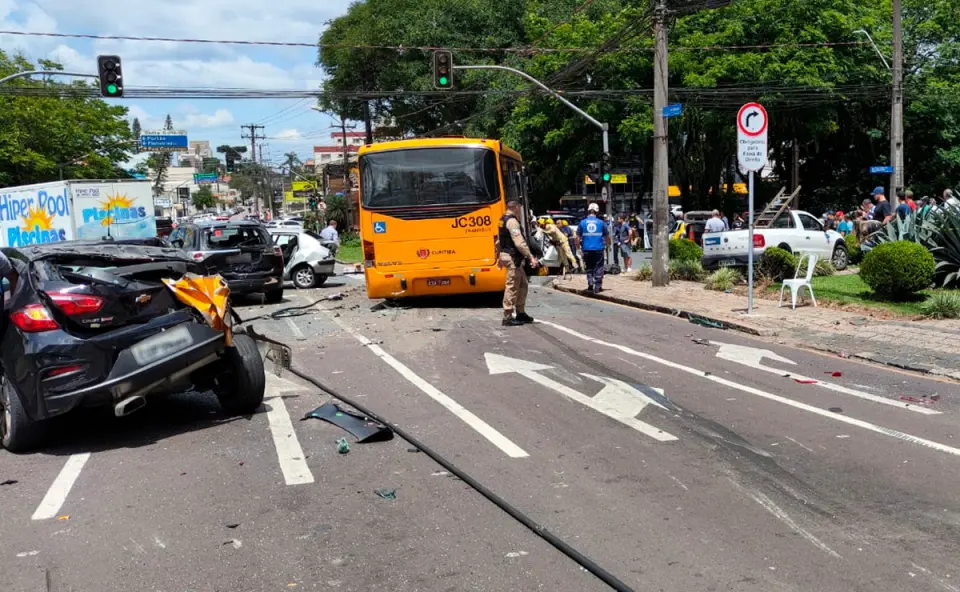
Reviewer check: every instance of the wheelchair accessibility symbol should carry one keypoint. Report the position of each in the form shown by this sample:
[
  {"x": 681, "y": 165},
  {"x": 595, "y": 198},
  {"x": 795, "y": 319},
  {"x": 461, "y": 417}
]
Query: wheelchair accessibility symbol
[{"x": 379, "y": 227}]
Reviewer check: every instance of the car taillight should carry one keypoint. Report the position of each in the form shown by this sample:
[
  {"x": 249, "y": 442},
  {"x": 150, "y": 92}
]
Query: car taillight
[
  {"x": 759, "y": 241},
  {"x": 61, "y": 371},
  {"x": 197, "y": 255},
  {"x": 34, "y": 318},
  {"x": 76, "y": 304},
  {"x": 369, "y": 253}
]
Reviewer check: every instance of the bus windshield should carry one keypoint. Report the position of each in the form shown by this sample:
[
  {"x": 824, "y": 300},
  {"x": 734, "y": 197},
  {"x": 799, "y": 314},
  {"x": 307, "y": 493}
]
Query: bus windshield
[{"x": 429, "y": 176}]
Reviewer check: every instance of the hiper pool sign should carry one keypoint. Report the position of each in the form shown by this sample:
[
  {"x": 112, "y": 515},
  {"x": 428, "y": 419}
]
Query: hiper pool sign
[{"x": 752, "y": 137}]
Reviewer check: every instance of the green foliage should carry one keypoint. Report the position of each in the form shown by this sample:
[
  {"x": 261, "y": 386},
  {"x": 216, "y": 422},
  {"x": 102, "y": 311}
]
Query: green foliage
[
  {"x": 41, "y": 136},
  {"x": 853, "y": 249},
  {"x": 723, "y": 279},
  {"x": 644, "y": 273},
  {"x": 202, "y": 199},
  {"x": 897, "y": 270},
  {"x": 690, "y": 271},
  {"x": 824, "y": 268},
  {"x": 944, "y": 242},
  {"x": 311, "y": 221},
  {"x": 942, "y": 305},
  {"x": 685, "y": 250},
  {"x": 349, "y": 239},
  {"x": 778, "y": 264},
  {"x": 337, "y": 210}
]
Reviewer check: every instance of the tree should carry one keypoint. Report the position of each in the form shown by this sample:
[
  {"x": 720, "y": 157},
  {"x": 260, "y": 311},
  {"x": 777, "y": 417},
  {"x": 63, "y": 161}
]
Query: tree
[
  {"x": 159, "y": 162},
  {"x": 43, "y": 137},
  {"x": 203, "y": 199},
  {"x": 135, "y": 131}
]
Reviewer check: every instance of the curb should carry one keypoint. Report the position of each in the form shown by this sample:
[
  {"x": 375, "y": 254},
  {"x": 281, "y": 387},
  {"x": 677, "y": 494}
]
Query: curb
[
  {"x": 674, "y": 312},
  {"x": 864, "y": 356}
]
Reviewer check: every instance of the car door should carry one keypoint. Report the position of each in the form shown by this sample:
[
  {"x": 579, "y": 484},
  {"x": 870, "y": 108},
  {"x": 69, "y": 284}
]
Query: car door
[{"x": 815, "y": 237}]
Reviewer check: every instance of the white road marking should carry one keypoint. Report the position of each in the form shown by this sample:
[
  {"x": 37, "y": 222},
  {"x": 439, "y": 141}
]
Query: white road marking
[
  {"x": 799, "y": 444},
  {"x": 289, "y": 453},
  {"x": 782, "y": 516},
  {"x": 28, "y": 553},
  {"x": 61, "y": 486},
  {"x": 770, "y": 396},
  {"x": 293, "y": 327},
  {"x": 159, "y": 543},
  {"x": 482, "y": 427},
  {"x": 751, "y": 356},
  {"x": 680, "y": 483}
]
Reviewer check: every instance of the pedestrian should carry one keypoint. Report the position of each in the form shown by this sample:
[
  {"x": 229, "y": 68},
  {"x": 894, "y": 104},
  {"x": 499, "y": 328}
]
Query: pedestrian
[
  {"x": 621, "y": 239},
  {"x": 903, "y": 209},
  {"x": 882, "y": 212},
  {"x": 571, "y": 235},
  {"x": 559, "y": 239},
  {"x": 594, "y": 238},
  {"x": 617, "y": 225},
  {"x": 714, "y": 224},
  {"x": 908, "y": 196},
  {"x": 330, "y": 237},
  {"x": 738, "y": 222},
  {"x": 845, "y": 227},
  {"x": 512, "y": 251}
]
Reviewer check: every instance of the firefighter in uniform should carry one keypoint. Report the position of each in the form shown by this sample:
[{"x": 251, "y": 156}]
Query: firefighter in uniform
[
  {"x": 563, "y": 245},
  {"x": 512, "y": 250}
]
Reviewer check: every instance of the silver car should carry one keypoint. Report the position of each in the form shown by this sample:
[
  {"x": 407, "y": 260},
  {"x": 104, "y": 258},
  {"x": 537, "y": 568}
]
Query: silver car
[{"x": 306, "y": 262}]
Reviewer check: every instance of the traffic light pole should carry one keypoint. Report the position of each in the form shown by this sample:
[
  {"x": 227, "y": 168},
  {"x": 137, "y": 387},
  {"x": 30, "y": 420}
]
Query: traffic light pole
[
  {"x": 50, "y": 72},
  {"x": 603, "y": 126}
]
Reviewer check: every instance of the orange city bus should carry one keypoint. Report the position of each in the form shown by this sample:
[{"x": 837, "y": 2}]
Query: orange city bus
[{"x": 429, "y": 213}]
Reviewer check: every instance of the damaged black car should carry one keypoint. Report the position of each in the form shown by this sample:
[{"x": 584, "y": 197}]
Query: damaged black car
[{"x": 100, "y": 324}]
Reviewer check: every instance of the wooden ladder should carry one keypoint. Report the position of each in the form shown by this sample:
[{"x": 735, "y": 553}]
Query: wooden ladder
[{"x": 776, "y": 206}]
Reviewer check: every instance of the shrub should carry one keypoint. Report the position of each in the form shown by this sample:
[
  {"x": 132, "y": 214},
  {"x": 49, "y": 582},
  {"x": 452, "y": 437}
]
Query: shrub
[
  {"x": 723, "y": 279},
  {"x": 644, "y": 273},
  {"x": 824, "y": 268},
  {"x": 853, "y": 249},
  {"x": 898, "y": 269},
  {"x": 778, "y": 264},
  {"x": 691, "y": 271},
  {"x": 942, "y": 305},
  {"x": 685, "y": 250},
  {"x": 349, "y": 239}
]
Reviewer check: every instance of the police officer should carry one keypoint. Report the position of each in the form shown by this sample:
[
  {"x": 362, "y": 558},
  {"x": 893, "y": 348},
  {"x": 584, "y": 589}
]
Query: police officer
[
  {"x": 594, "y": 238},
  {"x": 512, "y": 250}
]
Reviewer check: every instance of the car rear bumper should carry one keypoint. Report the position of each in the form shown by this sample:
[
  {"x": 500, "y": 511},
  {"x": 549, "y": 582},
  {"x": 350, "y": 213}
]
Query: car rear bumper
[
  {"x": 243, "y": 285},
  {"x": 434, "y": 282},
  {"x": 324, "y": 267},
  {"x": 128, "y": 378},
  {"x": 727, "y": 260}
]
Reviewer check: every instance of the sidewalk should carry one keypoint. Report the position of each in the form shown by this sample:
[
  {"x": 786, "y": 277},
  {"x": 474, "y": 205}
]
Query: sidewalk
[{"x": 930, "y": 347}]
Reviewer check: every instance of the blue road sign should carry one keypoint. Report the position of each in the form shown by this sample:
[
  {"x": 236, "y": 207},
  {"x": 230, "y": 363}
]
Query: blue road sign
[
  {"x": 380, "y": 227},
  {"x": 881, "y": 170},
  {"x": 150, "y": 142},
  {"x": 673, "y": 110},
  {"x": 203, "y": 178}
]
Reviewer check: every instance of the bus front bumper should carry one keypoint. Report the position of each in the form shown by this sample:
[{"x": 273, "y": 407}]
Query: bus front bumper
[{"x": 434, "y": 282}]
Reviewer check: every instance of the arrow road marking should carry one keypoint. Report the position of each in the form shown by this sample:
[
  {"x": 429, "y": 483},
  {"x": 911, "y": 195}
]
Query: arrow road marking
[
  {"x": 763, "y": 394},
  {"x": 751, "y": 356},
  {"x": 617, "y": 400}
]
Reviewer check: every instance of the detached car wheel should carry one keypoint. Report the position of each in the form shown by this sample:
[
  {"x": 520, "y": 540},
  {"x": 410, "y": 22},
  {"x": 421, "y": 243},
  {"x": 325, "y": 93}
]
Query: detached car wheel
[
  {"x": 240, "y": 388},
  {"x": 18, "y": 433},
  {"x": 304, "y": 277}
]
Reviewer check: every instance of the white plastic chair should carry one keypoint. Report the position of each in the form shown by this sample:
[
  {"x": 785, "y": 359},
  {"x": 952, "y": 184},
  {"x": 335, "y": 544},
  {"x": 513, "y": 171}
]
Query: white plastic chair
[{"x": 797, "y": 285}]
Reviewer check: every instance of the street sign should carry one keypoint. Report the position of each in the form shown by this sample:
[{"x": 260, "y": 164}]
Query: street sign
[
  {"x": 674, "y": 110},
  {"x": 164, "y": 141},
  {"x": 752, "y": 137},
  {"x": 881, "y": 170},
  {"x": 205, "y": 178},
  {"x": 162, "y": 202}
]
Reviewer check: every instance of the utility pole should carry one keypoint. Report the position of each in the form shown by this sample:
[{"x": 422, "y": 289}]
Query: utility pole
[
  {"x": 661, "y": 181},
  {"x": 896, "y": 120},
  {"x": 346, "y": 167},
  {"x": 253, "y": 136}
]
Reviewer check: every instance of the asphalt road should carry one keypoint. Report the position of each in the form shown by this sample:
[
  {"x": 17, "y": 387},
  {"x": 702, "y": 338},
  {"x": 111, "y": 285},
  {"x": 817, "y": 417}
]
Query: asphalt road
[{"x": 675, "y": 456}]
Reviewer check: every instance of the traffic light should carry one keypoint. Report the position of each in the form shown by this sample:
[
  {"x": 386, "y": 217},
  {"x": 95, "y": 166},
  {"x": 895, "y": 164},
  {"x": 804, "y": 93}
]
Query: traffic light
[
  {"x": 313, "y": 203},
  {"x": 230, "y": 161},
  {"x": 605, "y": 168},
  {"x": 442, "y": 69},
  {"x": 111, "y": 76}
]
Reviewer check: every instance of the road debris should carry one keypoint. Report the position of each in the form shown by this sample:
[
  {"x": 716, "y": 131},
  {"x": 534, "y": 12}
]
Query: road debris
[
  {"x": 9, "y": 482},
  {"x": 235, "y": 543},
  {"x": 387, "y": 494},
  {"x": 233, "y": 525},
  {"x": 342, "y": 446},
  {"x": 918, "y": 401},
  {"x": 835, "y": 374},
  {"x": 363, "y": 428},
  {"x": 701, "y": 341},
  {"x": 835, "y": 409},
  {"x": 514, "y": 554},
  {"x": 63, "y": 518},
  {"x": 804, "y": 381}
]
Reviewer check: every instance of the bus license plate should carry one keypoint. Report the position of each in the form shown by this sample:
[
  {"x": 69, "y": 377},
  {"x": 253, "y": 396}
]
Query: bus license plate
[{"x": 438, "y": 282}]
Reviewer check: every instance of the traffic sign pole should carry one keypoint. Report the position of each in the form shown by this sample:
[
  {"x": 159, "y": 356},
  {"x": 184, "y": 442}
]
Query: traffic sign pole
[{"x": 752, "y": 124}]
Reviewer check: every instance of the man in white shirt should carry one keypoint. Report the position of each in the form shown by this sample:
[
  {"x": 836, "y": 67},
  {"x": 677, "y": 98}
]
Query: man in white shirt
[
  {"x": 715, "y": 224},
  {"x": 330, "y": 236}
]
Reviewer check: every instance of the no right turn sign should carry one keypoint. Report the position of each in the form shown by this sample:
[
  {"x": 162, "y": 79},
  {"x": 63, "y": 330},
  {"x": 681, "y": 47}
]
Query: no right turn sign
[{"x": 752, "y": 137}]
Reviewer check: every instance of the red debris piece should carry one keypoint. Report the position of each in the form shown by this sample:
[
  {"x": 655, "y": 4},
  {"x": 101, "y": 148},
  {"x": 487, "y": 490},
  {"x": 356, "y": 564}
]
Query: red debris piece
[
  {"x": 835, "y": 374},
  {"x": 805, "y": 381}
]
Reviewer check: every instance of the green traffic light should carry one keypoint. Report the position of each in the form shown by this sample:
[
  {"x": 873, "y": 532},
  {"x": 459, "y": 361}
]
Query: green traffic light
[
  {"x": 112, "y": 89},
  {"x": 443, "y": 81},
  {"x": 606, "y": 176}
]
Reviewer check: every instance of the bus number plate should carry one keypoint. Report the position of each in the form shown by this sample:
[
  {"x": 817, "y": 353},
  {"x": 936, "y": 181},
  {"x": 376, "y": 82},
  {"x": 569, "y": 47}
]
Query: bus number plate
[{"x": 438, "y": 282}]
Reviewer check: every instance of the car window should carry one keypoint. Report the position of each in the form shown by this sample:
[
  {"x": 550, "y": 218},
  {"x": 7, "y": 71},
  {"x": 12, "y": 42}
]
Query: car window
[
  {"x": 233, "y": 237},
  {"x": 784, "y": 220},
  {"x": 282, "y": 239},
  {"x": 810, "y": 223},
  {"x": 189, "y": 234}
]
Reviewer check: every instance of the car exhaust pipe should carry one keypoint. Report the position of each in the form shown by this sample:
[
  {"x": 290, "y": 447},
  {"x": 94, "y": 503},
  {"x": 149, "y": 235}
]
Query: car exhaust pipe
[{"x": 129, "y": 405}]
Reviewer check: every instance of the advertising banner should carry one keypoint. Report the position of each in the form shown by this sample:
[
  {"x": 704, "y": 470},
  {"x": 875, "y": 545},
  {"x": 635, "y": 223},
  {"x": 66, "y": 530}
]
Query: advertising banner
[
  {"x": 119, "y": 210},
  {"x": 35, "y": 215}
]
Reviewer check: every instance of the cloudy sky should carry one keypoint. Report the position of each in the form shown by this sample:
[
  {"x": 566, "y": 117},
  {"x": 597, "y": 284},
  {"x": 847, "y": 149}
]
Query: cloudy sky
[{"x": 290, "y": 125}]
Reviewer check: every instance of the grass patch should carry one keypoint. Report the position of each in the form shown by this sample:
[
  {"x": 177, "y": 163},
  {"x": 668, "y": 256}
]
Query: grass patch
[
  {"x": 350, "y": 253},
  {"x": 850, "y": 289}
]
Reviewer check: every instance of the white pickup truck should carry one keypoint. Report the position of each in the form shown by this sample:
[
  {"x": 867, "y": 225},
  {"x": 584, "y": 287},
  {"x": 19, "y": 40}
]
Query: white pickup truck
[{"x": 792, "y": 231}]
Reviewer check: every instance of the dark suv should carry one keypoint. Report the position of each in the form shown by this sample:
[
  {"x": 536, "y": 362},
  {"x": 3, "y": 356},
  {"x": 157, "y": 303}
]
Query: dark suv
[{"x": 241, "y": 251}]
